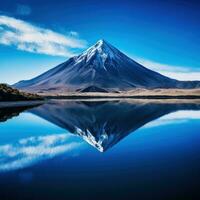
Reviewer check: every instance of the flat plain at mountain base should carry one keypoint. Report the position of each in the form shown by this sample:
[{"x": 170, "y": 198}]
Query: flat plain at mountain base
[{"x": 137, "y": 93}]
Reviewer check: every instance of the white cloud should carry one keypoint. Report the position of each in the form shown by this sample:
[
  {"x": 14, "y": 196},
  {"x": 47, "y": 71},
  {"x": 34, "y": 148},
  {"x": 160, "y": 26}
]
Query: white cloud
[
  {"x": 174, "y": 118},
  {"x": 172, "y": 71},
  {"x": 183, "y": 76},
  {"x": 23, "y": 9},
  {"x": 74, "y": 33},
  {"x": 27, "y": 37},
  {"x": 29, "y": 151}
]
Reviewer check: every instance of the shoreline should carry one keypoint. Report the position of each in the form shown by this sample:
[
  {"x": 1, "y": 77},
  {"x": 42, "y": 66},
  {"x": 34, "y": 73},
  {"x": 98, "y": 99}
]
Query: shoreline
[
  {"x": 14, "y": 104},
  {"x": 10, "y": 104},
  {"x": 162, "y": 97}
]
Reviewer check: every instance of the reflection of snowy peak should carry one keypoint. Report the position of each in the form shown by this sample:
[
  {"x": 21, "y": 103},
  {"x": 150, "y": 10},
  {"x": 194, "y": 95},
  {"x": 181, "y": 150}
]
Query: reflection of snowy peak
[
  {"x": 103, "y": 124},
  {"x": 101, "y": 68},
  {"x": 98, "y": 143}
]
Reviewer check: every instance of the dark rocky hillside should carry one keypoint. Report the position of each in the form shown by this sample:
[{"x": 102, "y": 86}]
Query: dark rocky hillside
[{"x": 8, "y": 93}]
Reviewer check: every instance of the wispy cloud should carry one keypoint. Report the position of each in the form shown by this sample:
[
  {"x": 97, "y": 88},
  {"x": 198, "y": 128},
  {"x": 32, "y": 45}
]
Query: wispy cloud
[
  {"x": 29, "y": 151},
  {"x": 28, "y": 37},
  {"x": 74, "y": 33},
  {"x": 172, "y": 71},
  {"x": 23, "y": 9},
  {"x": 175, "y": 118}
]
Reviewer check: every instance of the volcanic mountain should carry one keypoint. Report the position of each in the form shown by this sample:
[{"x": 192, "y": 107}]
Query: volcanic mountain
[{"x": 101, "y": 68}]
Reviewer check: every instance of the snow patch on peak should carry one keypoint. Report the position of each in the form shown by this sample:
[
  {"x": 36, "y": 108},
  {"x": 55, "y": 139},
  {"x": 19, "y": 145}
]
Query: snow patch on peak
[
  {"x": 100, "y": 42},
  {"x": 102, "y": 50},
  {"x": 103, "y": 46}
]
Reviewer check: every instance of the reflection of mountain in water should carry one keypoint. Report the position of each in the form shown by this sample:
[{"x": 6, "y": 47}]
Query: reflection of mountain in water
[
  {"x": 9, "y": 112},
  {"x": 103, "y": 124}
]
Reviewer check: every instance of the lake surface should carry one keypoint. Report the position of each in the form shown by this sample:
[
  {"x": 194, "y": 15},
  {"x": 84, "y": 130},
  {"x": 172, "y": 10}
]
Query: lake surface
[{"x": 100, "y": 150}]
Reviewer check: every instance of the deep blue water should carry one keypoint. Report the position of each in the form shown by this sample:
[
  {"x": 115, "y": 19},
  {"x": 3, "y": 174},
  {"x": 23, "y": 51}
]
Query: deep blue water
[{"x": 101, "y": 150}]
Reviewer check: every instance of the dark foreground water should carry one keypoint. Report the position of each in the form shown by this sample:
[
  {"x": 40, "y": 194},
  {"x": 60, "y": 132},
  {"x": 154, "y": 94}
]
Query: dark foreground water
[{"x": 100, "y": 150}]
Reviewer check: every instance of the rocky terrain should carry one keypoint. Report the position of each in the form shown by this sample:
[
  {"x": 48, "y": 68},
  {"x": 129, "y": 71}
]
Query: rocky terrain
[{"x": 8, "y": 93}]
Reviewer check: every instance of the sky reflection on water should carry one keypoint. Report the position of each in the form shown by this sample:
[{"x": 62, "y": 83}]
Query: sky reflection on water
[{"x": 160, "y": 144}]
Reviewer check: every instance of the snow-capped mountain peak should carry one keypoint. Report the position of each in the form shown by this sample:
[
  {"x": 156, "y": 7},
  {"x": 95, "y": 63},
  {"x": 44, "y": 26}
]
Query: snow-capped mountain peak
[
  {"x": 102, "y": 50},
  {"x": 100, "y": 46}
]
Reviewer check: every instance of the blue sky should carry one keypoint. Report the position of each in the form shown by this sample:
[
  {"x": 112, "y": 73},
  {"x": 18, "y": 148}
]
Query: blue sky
[{"x": 162, "y": 35}]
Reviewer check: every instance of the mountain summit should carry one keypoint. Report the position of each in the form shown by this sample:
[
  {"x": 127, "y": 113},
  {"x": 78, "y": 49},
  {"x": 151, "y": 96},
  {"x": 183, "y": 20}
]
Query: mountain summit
[{"x": 101, "y": 68}]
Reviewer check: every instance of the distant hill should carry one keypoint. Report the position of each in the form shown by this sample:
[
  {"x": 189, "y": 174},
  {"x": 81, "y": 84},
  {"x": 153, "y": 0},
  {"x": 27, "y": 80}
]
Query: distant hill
[
  {"x": 101, "y": 68},
  {"x": 7, "y": 93}
]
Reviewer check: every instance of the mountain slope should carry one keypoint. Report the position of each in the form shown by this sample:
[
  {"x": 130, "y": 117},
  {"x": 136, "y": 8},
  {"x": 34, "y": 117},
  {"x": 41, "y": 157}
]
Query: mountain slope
[{"x": 100, "y": 68}]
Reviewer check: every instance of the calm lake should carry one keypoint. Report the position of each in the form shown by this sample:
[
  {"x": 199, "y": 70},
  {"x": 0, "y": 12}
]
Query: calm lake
[{"x": 130, "y": 149}]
